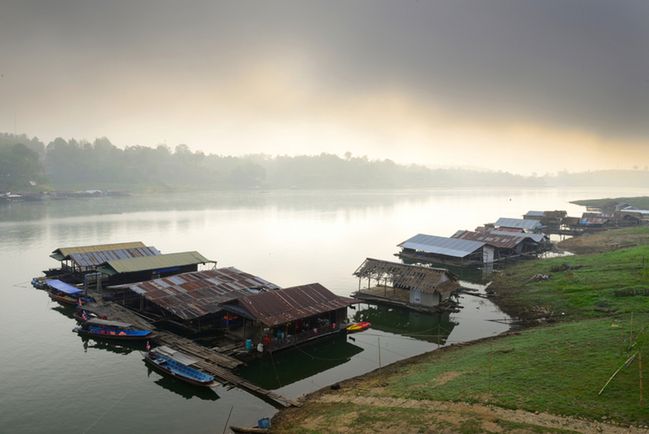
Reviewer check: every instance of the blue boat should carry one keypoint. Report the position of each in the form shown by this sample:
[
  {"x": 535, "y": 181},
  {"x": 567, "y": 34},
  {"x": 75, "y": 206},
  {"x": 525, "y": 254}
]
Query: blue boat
[
  {"x": 64, "y": 293},
  {"x": 105, "y": 329},
  {"x": 178, "y": 365}
]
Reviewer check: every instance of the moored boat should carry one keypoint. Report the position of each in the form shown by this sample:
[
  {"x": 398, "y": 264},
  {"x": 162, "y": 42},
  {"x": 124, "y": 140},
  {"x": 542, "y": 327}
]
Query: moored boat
[
  {"x": 178, "y": 365},
  {"x": 358, "y": 327},
  {"x": 65, "y": 294},
  {"x": 105, "y": 329}
]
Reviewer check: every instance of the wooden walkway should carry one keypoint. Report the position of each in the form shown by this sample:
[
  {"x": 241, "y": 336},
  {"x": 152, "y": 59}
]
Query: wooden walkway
[
  {"x": 212, "y": 361},
  {"x": 192, "y": 348}
]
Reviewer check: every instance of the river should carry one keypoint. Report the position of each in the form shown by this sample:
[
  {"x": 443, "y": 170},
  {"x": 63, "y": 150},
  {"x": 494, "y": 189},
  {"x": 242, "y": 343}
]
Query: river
[{"x": 52, "y": 382}]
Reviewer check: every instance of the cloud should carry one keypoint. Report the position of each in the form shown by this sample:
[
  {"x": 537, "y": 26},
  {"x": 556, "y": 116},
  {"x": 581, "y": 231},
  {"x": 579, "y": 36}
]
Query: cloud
[{"x": 407, "y": 80}]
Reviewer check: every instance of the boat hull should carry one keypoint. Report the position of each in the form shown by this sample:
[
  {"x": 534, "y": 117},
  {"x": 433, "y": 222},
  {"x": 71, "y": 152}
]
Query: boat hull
[
  {"x": 163, "y": 370},
  {"x": 115, "y": 337}
]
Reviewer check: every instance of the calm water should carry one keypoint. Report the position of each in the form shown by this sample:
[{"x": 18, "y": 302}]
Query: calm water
[{"x": 52, "y": 382}]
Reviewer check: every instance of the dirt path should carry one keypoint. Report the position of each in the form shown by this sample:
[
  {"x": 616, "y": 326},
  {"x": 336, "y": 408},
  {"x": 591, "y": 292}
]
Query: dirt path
[{"x": 489, "y": 415}]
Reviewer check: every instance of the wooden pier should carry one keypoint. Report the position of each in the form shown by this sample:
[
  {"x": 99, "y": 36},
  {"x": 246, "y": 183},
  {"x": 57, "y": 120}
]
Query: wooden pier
[
  {"x": 220, "y": 365},
  {"x": 213, "y": 362}
]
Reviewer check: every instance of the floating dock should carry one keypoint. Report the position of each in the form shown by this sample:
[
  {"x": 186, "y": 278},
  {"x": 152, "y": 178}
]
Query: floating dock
[{"x": 216, "y": 363}]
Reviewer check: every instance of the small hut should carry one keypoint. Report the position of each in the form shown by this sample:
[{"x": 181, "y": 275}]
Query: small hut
[{"x": 412, "y": 286}]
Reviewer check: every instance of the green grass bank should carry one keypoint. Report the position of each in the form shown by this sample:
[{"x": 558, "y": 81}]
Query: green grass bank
[{"x": 594, "y": 310}]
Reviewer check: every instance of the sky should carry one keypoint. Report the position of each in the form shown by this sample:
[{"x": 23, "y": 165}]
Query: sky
[{"x": 519, "y": 85}]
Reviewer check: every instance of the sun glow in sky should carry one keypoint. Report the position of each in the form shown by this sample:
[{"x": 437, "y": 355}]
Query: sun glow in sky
[{"x": 521, "y": 86}]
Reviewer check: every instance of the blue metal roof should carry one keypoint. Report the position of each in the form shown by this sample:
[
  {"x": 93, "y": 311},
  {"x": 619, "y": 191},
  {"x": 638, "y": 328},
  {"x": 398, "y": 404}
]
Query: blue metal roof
[
  {"x": 455, "y": 247},
  {"x": 63, "y": 287}
]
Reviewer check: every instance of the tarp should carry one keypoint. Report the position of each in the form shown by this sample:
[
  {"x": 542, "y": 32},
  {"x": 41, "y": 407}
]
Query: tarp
[{"x": 63, "y": 287}]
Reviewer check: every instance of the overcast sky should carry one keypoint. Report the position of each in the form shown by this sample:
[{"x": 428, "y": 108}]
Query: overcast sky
[{"x": 520, "y": 85}]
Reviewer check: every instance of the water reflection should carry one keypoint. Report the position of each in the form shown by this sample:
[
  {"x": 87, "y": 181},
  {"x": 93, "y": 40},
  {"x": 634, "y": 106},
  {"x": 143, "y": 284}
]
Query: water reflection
[
  {"x": 187, "y": 391},
  {"x": 430, "y": 327},
  {"x": 122, "y": 348},
  {"x": 291, "y": 365}
]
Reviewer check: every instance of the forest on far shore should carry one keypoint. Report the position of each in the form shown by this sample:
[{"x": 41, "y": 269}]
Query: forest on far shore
[{"x": 27, "y": 164}]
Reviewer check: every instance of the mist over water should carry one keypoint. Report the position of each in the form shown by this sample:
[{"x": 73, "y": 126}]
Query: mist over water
[{"x": 52, "y": 382}]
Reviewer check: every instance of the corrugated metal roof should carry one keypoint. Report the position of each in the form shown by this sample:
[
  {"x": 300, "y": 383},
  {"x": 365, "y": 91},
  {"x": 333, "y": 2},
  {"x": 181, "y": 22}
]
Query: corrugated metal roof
[
  {"x": 455, "y": 247},
  {"x": 534, "y": 237},
  {"x": 518, "y": 223},
  {"x": 426, "y": 279},
  {"x": 93, "y": 259},
  {"x": 144, "y": 263},
  {"x": 198, "y": 293},
  {"x": 64, "y": 252},
  {"x": 501, "y": 240},
  {"x": 290, "y": 304},
  {"x": 535, "y": 214}
]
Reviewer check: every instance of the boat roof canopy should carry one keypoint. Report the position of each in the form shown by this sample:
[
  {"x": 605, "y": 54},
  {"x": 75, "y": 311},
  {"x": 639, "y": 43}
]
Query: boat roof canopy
[
  {"x": 63, "y": 287},
  {"x": 175, "y": 355},
  {"x": 105, "y": 322}
]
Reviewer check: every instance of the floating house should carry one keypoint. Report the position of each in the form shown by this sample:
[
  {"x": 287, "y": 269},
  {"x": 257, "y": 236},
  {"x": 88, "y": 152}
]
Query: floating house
[
  {"x": 118, "y": 271},
  {"x": 518, "y": 225},
  {"x": 547, "y": 218},
  {"x": 631, "y": 216},
  {"x": 412, "y": 286},
  {"x": 436, "y": 249},
  {"x": 193, "y": 300},
  {"x": 275, "y": 320},
  {"x": 507, "y": 244},
  {"x": 76, "y": 262}
]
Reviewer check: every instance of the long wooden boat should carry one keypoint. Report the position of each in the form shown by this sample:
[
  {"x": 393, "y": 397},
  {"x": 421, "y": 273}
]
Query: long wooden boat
[
  {"x": 178, "y": 365},
  {"x": 117, "y": 330},
  {"x": 64, "y": 293}
]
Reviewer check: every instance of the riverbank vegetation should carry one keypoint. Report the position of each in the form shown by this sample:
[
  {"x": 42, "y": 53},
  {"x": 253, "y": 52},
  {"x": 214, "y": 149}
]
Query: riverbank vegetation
[
  {"x": 594, "y": 311},
  {"x": 82, "y": 165},
  {"x": 641, "y": 202}
]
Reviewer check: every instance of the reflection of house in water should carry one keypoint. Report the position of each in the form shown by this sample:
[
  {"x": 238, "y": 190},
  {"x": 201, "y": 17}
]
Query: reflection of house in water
[
  {"x": 187, "y": 391},
  {"x": 432, "y": 327},
  {"x": 298, "y": 363},
  {"x": 413, "y": 286}
]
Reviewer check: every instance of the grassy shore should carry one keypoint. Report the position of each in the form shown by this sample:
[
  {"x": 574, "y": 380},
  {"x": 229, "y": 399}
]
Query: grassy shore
[{"x": 542, "y": 379}]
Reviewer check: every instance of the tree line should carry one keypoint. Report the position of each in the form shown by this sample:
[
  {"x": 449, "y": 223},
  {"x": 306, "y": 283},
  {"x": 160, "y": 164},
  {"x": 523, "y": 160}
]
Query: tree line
[{"x": 28, "y": 164}]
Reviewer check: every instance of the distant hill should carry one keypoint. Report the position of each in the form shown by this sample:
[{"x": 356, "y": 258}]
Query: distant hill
[{"x": 27, "y": 164}]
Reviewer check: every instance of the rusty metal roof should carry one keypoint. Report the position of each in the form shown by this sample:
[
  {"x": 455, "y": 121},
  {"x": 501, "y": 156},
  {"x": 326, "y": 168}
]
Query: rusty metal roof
[
  {"x": 93, "y": 259},
  {"x": 290, "y": 304},
  {"x": 500, "y": 240},
  {"x": 198, "y": 293},
  {"x": 426, "y": 279},
  {"x": 64, "y": 252}
]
